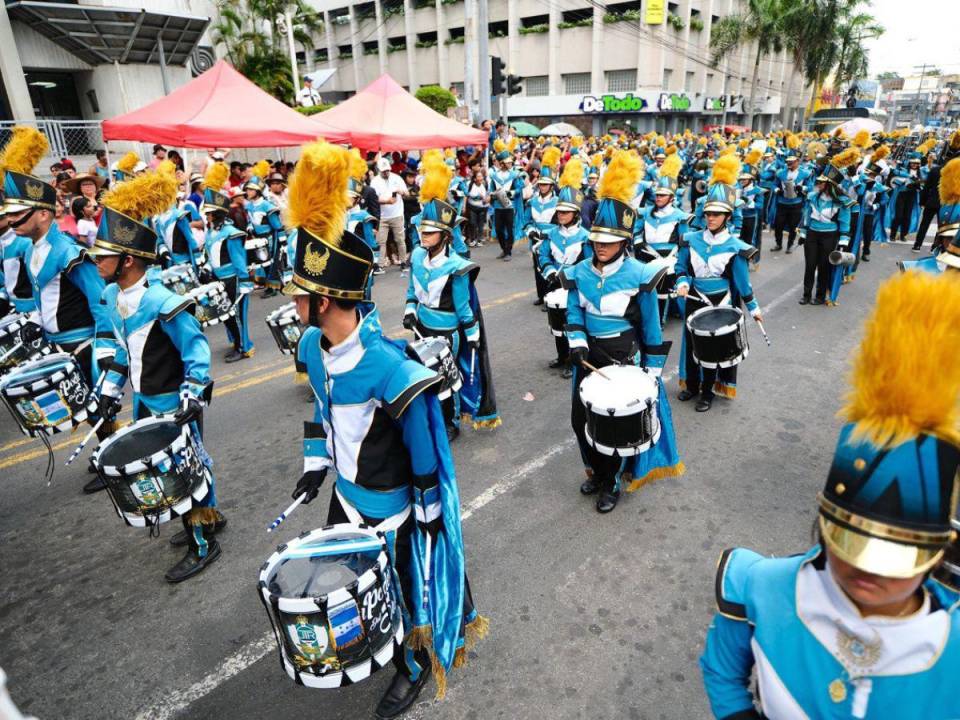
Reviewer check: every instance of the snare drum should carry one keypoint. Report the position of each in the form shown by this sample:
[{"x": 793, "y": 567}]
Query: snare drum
[
  {"x": 286, "y": 328},
  {"x": 330, "y": 599},
  {"x": 13, "y": 350},
  {"x": 621, "y": 410},
  {"x": 213, "y": 305},
  {"x": 179, "y": 279},
  {"x": 666, "y": 284},
  {"x": 48, "y": 395},
  {"x": 153, "y": 470},
  {"x": 556, "y": 302},
  {"x": 258, "y": 252},
  {"x": 434, "y": 352},
  {"x": 718, "y": 336}
]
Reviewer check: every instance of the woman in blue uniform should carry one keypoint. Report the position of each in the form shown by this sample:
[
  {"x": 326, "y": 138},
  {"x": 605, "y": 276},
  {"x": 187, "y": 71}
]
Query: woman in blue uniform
[{"x": 856, "y": 627}]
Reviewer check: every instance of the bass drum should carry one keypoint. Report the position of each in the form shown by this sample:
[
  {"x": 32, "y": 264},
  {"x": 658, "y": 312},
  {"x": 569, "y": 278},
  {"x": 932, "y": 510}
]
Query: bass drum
[
  {"x": 213, "y": 304},
  {"x": 286, "y": 328}
]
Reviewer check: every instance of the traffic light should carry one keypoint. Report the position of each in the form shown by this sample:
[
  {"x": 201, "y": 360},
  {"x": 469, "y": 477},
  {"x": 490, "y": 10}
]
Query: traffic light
[
  {"x": 514, "y": 84},
  {"x": 496, "y": 76}
]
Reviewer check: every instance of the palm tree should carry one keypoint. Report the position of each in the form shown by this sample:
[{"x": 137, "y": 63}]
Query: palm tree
[
  {"x": 760, "y": 24},
  {"x": 853, "y": 61}
]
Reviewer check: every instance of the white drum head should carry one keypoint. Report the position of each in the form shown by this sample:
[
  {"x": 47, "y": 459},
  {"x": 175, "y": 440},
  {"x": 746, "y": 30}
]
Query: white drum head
[{"x": 625, "y": 393}]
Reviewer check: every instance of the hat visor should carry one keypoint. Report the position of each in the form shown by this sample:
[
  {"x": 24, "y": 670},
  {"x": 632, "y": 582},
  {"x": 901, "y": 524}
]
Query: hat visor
[
  {"x": 601, "y": 236},
  {"x": 291, "y": 289},
  {"x": 429, "y": 226},
  {"x": 11, "y": 207},
  {"x": 567, "y": 207},
  {"x": 99, "y": 251},
  {"x": 875, "y": 555},
  {"x": 717, "y": 207},
  {"x": 663, "y": 191}
]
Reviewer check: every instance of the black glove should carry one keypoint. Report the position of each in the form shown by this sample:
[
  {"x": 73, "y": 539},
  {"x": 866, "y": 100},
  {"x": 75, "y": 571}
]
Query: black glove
[
  {"x": 474, "y": 344},
  {"x": 553, "y": 282},
  {"x": 205, "y": 275},
  {"x": 190, "y": 410},
  {"x": 409, "y": 320},
  {"x": 31, "y": 333},
  {"x": 309, "y": 485},
  {"x": 163, "y": 257},
  {"x": 578, "y": 355},
  {"x": 108, "y": 407}
]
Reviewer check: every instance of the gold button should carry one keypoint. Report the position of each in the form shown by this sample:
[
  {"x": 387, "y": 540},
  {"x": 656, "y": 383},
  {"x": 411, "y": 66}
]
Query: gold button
[
  {"x": 859, "y": 464},
  {"x": 838, "y": 691},
  {"x": 840, "y": 488}
]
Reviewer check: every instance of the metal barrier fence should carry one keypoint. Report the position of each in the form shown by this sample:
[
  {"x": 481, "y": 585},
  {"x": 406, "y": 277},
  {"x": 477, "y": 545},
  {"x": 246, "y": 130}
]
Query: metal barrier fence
[{"x": 68, "y": 138}]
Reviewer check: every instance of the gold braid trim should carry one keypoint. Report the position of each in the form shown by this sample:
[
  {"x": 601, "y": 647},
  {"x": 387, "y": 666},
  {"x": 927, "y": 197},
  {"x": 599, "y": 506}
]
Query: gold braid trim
[
  {"x": 656, "y": 474},
  {"x": 727, "y": 391}
]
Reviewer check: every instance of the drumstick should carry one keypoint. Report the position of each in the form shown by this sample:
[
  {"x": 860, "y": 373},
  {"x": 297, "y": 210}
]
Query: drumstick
[
  {"x": 76, "y": 452},
  {"x": 763, "y": 332},
  {"x": 417, "y": 333},
  {"x": 426, "y": 572},
  {"x": 596, "y": 370},
  {"x": 473, "y": 359},
  {"x": 283, "y": 516}
]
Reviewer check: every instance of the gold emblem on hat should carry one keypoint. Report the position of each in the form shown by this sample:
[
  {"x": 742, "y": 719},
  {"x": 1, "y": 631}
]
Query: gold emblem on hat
[
  {"x": 124, "y": 233},
  {"x": 34, "y": 190},
  {"x": 838, "y": 691},
  {"x": 446, "y": 216},
  {"x": 578, "y": 197},
  {"x": 628, "y": 218},
  {"x": 315, "y": 261}
]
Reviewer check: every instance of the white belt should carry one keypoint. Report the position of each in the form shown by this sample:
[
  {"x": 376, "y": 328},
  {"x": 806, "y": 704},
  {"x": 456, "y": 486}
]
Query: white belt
[{"x": 386, "y": 525}]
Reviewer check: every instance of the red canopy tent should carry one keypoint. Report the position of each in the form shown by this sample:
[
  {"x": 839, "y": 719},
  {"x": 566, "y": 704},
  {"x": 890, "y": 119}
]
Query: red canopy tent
[
  {"x": 220, "y": 108},
  {"x": 385, "y": 117}
]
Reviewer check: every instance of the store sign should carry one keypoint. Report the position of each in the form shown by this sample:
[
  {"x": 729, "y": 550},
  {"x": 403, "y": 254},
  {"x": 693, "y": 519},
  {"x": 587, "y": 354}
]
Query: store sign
[
  {"x": 656, "y": 12},
  {"x": 613, "y": 104},
  {"x": 674, "y": 102},
  {"x": 713, "y": 104}
]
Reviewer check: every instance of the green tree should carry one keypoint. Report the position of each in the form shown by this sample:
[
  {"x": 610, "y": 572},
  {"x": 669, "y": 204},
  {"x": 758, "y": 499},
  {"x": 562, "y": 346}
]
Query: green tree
[{"x": 436, "y": 98}]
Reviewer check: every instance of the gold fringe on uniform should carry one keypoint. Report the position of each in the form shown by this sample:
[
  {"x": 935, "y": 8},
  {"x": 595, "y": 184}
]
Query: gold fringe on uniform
[
  {"x": 487, "y": 424},
  {"x": 421, "y": 638},
  {"x": 299, "y": 378},
  {"x": 634, "y": 484},
  {"x": 202, "y": 516},
  {"x": 724, "y": 390}
]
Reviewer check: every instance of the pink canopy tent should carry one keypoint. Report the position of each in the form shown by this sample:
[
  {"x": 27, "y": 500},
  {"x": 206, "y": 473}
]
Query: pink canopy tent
[
  {"x": 220, "y": 108},
  {"x": 385, "y": 117}
]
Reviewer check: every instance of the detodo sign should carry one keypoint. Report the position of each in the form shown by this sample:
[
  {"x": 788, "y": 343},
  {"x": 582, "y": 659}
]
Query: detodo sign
[{"x": 612, "y": 104}]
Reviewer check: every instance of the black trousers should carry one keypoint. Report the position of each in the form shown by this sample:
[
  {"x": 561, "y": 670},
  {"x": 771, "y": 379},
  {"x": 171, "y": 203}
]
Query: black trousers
[
  {"x": 563, "y": 348},
  {"x": 816, "y": 256},
  {"x": 925, "y": 219},
  {"x": 503, "y": 227},
  {"x": 867, "y": 235},
  {"x": 788, "y": 218},
  {"x": 902, "y": 214},
  {"x": 749, "y": 233},
  {"x": 476, "y": 221}
]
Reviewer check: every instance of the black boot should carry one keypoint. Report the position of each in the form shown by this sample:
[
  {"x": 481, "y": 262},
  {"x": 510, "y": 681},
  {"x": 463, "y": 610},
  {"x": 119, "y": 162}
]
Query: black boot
[
  {"x": 453, "y": 432},
  {"x": 685, "y": 395},
  {"x": 95, "y": 485},
  {"x": 567, "y": 371},
  {"x": 609, "y": 496},
  {"x": 590, "y": 486},
  {"x": 181, "y": 538},
  {"x": 538, "y": 301},
  {"x": 191, "y": 563},
  {"x": 554, "y": 364},
  {"x": 401, "y": 694}
]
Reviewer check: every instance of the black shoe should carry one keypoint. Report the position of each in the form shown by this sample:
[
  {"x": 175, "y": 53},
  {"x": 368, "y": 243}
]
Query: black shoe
[
  {"x": 818, "y": 301},
  {"x": 236, "y": 356},
  {"x": 916, "y": 248},
  {"x": 95, "y": 485},
  {"x": 776, "y": 248},
  {"x": 865, "y": 258},
  {"x": 538, "y": 301},
  {"x": 607, "y": 500},
  {"x": 789, "y": 249},
  {"x": 804, "y": 300},
  {"x": 543, "y": 308},
  {"x": 685, "y": 395},
  {"x": 567, "y": 372},
  {"x": 401, "y": 694},
  {"x": 507, "y": 258},
  {"x": 268, "y": 293},
  {"x": 181, "y": 538},
  {"x": 554, "y": 364},
  {"x": 704, "y": 404},
  {"x": 190, "y": 564},
  {"x": 501, "y": 256},
  {"x": 590, "y": 486},
  {"x": 452, "y": 433}
]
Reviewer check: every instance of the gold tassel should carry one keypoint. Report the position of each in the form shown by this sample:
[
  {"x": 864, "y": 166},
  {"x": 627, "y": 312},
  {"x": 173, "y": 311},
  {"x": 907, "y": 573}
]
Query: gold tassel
[
  {"x": 440, "y": 676},
  {"x": 420, "y": 638},
  {"x": 475, "y": 631},
  {"x": 460, "y": 658},
  {"x": 488, "y": 424},
  {"x": 727, "y": 391},
  {"x": 202, "y": 516},
  {"x": 299, "y": 378},
  {"x": 657, "y": 474}
]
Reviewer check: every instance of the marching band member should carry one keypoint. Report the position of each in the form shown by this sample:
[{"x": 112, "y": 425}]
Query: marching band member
[
  {"x": 903, "y": 211},
  {"x": 16, "y": 290},
  {"x": 825, "y": 226},
  {"x": 65, "y": 284},
  {"x": 442, "y": 302},
  {"x": 378, "y": 425},
  {"x": 752, "y": 198},
  {"x": 874, "y": 197},
  {"x": 362, "y": 224},
  {"x": 856, "y": 627},
  {"x": 945, "y": 251},
  {"x": 612, "y": 318},
  {"x": 228, "y": 256},
  {"x": 506, "y": 191},
  {"x": 176, "y": 242},
  {"x": 713, "y": 263},
  {"x": 791, "y": 182},
  {"x": 848, "y": 192},
  {"x": 541, "y": 208},
  {"x": 566, "y": 244},
  {"x": 767, "y": 179},
  {"x": 263, "y": 221},
  {"x": 161, "y": 348}
]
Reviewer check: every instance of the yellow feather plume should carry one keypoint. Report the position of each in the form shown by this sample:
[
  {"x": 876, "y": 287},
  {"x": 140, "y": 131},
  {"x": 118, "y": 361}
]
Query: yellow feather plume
[
  {"x": 771, "y": 143},
  {"x": 901, "y": 378},
  {"x": 216, "y": 177},
  {"x": 702, "y": 140},
  {"x": 596, "y": 160},
  {"x": 449, "y": 153},
  {"x": 726, "y": 170},
  {"x": 436, "y": 180},
  {"x": 551, "y": 156},
  {"x": 671, "y": 149},
  {"x": 862, "y": 139},
  {"x": 499, "y": 145},
  {"x": 572, "y": 175},
  {"x": 671, "y": 167},
  {"x": 955, "y": 140},
  {"x": 620, "y": 180},
  {"x": 925, "y": 147},
  {"x": 950, "y": 183},
  {"x": 358, "y": 166},
  {"x": 608, "y": 151},
  {"x": 744, "y": 143},
  {"x": 317, "y": 195},
  {"x": 793, "y": 142},
  {"x": 143, "y": 196},
  {"x": 850, "y": 156},
  {"x": 25, "y": 149},
  {"x": 661, "y": 141},
  {"x": 513, "y": 143},
  {"x": 814, "y": 149},
  {"x": 576, "y": 141},
  {"x": 840, "y": 134},
  {"x": 753, "y": 157},
  {"x": 880, "y": 153},
  {"x": 261, "y": 169},
  {"x": 128, "y": 162},
  {"x": 729, "y": 150},
  {"x": 166, "y": 167}
]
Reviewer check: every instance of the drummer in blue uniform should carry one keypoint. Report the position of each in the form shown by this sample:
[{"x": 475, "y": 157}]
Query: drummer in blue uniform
[
  {"x": 540, "y": 213},
  {"x": 176, "y": 243},
  {"x": 17, "y": 291},
  {"x": 825, "y": 226},
  {"x": 945, "y": 249},
  {"x": 752, "y": 199},
  {"x": 856, "y": 627},
  {"x": 712, "y": 271},
  {"x": 157, "y": 335},
  {"x": 379, "y": 427},
  {"x": 612, "y": 318},
  {"x": 263, "y": 221}
]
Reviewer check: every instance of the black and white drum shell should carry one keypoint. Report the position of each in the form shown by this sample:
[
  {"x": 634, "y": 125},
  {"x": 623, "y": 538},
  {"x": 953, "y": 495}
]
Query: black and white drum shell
[
  {"x": 306, "y": 626},
  {"x": 213, "y": 305},
  {"x": 153, "y": 470},
  {"x": 13, "y": 351},
  {"x": 556, "y": 302},
  {"x": 258, "y": 252},
  {"x": 718, "y": 336},
  {"x": 621, "y": 411},
  {"x": 434, "y": 353},
  {"x": 666, "y": 284},
  {"x": 179, "y": 279},
  {"x": 48, "y": 395},
  {"x": 286, "y": 328}
]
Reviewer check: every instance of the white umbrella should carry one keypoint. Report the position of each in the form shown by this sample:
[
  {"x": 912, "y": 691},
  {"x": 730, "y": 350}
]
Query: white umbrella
[
  {"x": 561, "y": 129},
  {"x": 852, "y": 127}
]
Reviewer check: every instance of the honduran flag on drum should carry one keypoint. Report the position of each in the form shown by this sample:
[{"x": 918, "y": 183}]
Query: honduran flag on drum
[
  {"x": 345, "y": 625},
  {"x": 53, "y": 408}
]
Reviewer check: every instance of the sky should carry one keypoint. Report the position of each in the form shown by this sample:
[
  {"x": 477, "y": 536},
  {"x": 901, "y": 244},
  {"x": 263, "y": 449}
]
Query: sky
[{"x": 917, "y": 32}]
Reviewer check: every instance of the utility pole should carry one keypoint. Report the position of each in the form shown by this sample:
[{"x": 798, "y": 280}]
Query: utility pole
[
  {"x": 923, "y": 73},
  {"x": 288, "y": 16},
  {"x": 468, "y": 48},
  {"x": 483, "y": 60}
]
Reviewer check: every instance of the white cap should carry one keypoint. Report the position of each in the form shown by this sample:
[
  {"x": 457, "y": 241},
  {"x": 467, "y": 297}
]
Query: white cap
[
  {"x": 383, "y": 164},
  {"x": 217, "y": 155}
]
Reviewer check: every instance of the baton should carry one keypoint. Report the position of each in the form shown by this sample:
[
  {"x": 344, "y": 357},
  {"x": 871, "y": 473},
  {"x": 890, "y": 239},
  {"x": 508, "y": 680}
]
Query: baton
[
  {"x": 596, "y": 370},
  {"x": 283, "y": 516},
  {"x": 76, "y": 452},
  {"x": 763, "y": 332},
  {"x": 473, "y": 359}
]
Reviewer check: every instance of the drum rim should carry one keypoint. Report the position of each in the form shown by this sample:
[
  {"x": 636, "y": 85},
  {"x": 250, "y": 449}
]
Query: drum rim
[
  {"x": 710, "y": 365},
  {"x": 41, "y": 383},
  {"x": 179, "y": 443},
  {"x": 589, "y": 405},
  {"x": 284, "y": 310},
  {"x": 711, "y": 333}
]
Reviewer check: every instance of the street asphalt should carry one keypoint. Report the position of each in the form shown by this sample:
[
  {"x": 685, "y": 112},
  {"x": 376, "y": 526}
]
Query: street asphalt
[{"x": 591, "y": 616}]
